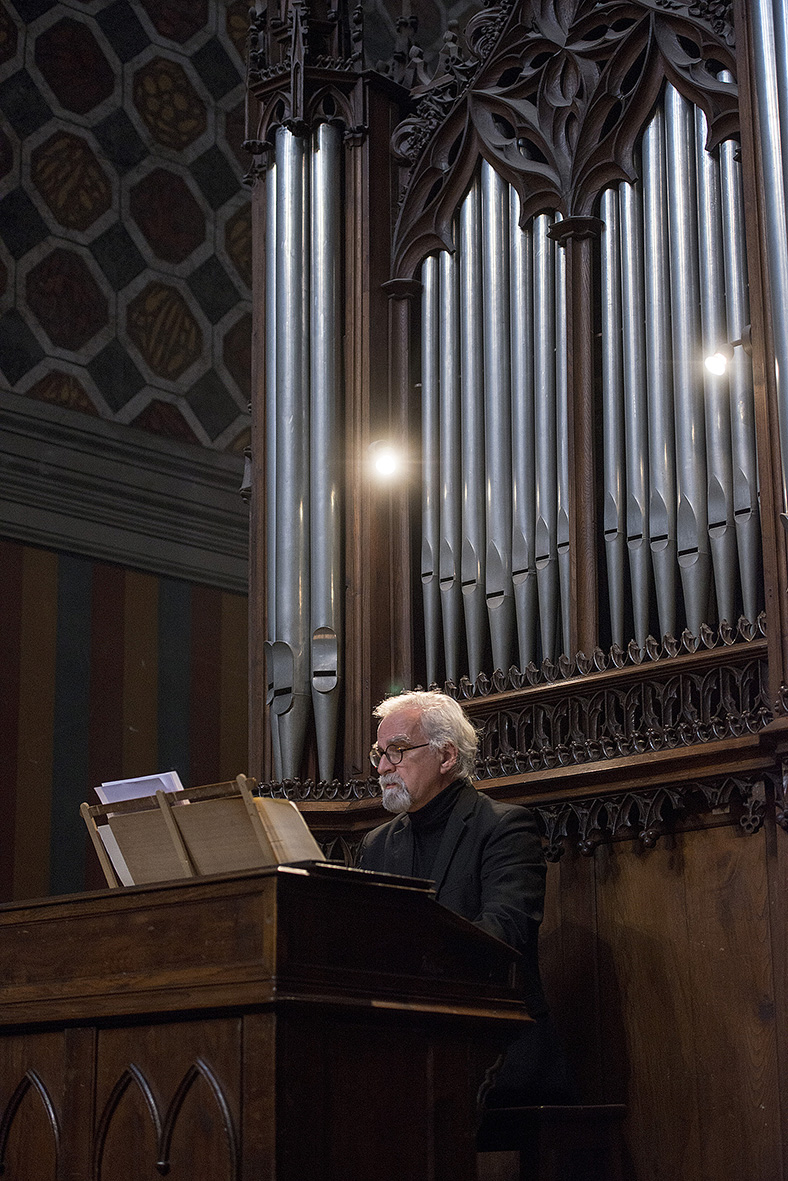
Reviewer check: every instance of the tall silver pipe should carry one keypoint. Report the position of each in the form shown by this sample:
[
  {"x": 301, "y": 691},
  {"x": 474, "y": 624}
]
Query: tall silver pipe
[
  {"x": 450, "y": 454},
  {"x": 326, "y": 444},
  {"x": 472, "y": 418},
  {"x": 545, "y": 435},
  {"x": 780, "y": 26},
  {"x": 714, "y": 328},
  {"x": 613, "y": 458},
  {"x": 430, "y": 454},
  {"x": 692, "y": 531},
  {"x": 562, "y": 442},
  {"x": 291, "y": 648},
  {"x": 742, "y": 410},
  {"x": 635, "y": 405},
  {"x": 659, "y": 375},
  {"x": 769, "y": 94},
  {"x": 270, "y": 451},
  {"x": 497, "y": 380},
  {"x": 523, "y": 488}
]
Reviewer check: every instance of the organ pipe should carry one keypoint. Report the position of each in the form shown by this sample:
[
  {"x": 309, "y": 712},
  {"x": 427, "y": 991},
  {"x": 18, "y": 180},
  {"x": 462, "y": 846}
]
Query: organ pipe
[
  {"x": 430, "y": 448},
  {"x": 450, "y": 551},
  {"x": 472, "y": 428},
  {"x": 497, "y": 379},
  {"x": 326, "y": 442},
  {"x": 613, "y": 451},
  {"x": 722, "y": 536},
  {"x": 522, "y": 433},
  {"x": 291, "y": 647},
  {"x": 691, "y": 520},
  {"x": 659, "y": 375},
  {"x": 742, "y": 411},
  {"x": 771, "y": 94},
  {"x": 270, "y": 453}
]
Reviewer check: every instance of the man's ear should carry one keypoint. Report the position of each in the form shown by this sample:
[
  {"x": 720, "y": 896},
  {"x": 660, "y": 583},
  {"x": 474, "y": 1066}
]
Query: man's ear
[{"x": 448, "y": 757}]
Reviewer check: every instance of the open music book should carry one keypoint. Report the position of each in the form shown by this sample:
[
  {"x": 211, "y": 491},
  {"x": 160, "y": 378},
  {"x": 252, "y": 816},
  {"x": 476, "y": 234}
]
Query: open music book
[{"x": 205, "y": 830}]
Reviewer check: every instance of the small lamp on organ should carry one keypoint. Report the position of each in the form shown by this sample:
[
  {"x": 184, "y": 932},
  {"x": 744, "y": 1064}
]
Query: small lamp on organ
[
  {"x": 719, "y": 361},
  {"x": 386, "y": 459}
]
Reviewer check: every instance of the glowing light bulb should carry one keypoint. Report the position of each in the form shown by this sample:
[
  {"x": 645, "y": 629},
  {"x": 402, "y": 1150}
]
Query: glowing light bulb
[
  {"x": 386, "y": 460},
  {"x": 717, "y": 363}
]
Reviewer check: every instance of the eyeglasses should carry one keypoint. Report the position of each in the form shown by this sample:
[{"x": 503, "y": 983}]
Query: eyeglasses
[{"x": 394, "y": 753}]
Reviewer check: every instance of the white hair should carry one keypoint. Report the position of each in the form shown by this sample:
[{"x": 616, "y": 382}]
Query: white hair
[{"x": 443, "y": 721}]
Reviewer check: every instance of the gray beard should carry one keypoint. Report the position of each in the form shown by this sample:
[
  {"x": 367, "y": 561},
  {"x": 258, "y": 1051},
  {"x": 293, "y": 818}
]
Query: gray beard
[{"x": 396, "y": 797}]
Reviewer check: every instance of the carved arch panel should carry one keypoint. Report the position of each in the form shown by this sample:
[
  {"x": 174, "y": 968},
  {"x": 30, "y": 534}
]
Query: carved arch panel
[
  {"x": 554, "y": 95},
  {"x": 178, "y": 1108},
  {"x": 29, "y": 1119}
]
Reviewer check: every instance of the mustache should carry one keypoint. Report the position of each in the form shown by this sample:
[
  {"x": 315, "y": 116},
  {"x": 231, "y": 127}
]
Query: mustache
[{"x": 391, "y": 780}]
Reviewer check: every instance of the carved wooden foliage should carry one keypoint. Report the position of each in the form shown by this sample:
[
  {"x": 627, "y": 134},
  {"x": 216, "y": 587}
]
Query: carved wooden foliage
[{"x": 556, "y": 107}]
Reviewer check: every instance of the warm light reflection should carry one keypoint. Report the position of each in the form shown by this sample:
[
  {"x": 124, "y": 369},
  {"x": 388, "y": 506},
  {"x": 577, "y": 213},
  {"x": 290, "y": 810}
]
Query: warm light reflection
[{"x": 386, "y": 460}]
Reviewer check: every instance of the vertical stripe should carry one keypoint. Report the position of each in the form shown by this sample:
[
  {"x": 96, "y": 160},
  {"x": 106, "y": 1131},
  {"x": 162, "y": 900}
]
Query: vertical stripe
[
  {"x": 174, "y": 677},
  {"x": 36, "y": 716},
  {"x": 70, "y": 781},
  {"x": 140, "y": 675},
  {"x": 205, "y": 681},
  {"x": 11, "y": 561},
  {"x": 105, "y": 718},
  {"x": 233, "y": 703}
]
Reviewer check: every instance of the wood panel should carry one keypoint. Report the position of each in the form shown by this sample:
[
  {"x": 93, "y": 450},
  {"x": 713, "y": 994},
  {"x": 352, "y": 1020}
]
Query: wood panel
[
  {"x": 686, "y": 1004},
  {"x": 32, "y": 1077},
  {"x": 168, "y": 1100}
]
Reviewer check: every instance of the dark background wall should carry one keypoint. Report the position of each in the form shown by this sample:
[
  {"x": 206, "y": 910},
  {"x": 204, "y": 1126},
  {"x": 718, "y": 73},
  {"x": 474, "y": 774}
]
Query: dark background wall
[
  {"x": 105, "y": 673},
  {"x": 125, "y": 265}
]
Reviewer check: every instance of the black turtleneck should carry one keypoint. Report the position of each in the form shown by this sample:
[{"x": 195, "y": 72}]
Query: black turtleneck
[{"x": 427, "y": 825}]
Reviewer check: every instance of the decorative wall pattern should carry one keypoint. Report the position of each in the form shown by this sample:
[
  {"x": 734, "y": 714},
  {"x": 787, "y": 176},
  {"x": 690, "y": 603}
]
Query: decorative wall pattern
[
  {"x": 125, "y": 230},
  {"x": 105, "y": 673}
]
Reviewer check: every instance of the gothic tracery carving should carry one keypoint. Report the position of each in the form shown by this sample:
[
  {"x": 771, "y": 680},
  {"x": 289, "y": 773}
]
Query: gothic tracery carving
[{"x": 556, "y": 106}]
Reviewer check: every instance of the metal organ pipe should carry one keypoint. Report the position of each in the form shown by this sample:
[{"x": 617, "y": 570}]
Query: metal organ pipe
[
  {"x": 326, "y": 442},
  {"x": 635, "y": 405},
  {"x": 692, "y": 531},
  {"x": 523, "y": 447},
  {"x": 659, "y": 375},
  {"x": 614, "y": 468},
  {"x": 270, "y": 451},
  {"x": 714, "y": 331},
  {"x": 497, "y": 378},
  {"x": 742, "y": 410},
  {"x": 291, "y": 646},
  {"x": 430, "y": 450},
  {"x": 562, "y": 441},
  {"x": 450, "y": 452},
  {"x": 771, "y": 94},
  {"x": 472, "y": 428}
]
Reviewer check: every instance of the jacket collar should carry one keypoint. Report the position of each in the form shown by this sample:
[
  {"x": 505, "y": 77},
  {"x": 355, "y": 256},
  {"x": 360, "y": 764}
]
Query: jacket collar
[{"x": 400, "y": 842}]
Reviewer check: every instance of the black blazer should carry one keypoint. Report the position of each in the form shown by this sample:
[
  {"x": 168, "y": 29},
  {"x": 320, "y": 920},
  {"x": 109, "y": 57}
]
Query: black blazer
[{"x": 489, "y": 868}]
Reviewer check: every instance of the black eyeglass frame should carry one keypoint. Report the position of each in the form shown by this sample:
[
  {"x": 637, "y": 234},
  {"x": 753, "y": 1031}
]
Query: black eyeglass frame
[{"x": 376, "y": 755}]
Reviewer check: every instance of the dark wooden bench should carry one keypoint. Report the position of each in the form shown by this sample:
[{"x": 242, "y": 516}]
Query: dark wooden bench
[{"x": 558, "y": 1143}]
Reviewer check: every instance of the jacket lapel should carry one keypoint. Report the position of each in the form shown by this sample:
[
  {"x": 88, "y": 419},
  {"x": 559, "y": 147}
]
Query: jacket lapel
[
  {"x": 453, "y": 835},
  {"x": 399, "y": 848}
]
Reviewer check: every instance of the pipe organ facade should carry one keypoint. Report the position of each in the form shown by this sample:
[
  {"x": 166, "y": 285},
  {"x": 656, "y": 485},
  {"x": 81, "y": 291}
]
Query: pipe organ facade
[{"x": 510, "y": 263}]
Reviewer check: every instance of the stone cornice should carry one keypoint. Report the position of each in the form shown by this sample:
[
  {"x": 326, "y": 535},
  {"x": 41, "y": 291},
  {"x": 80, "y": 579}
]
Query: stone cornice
[{"x": 111, "y": 492}]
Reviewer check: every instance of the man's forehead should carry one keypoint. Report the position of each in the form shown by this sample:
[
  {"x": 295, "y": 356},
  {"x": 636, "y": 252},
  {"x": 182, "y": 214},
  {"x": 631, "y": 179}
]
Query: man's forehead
[{"x": 400, "y": 724}]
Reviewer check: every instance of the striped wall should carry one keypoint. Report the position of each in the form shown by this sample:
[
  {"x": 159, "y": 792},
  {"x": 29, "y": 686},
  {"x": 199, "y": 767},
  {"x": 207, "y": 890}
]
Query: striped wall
[{"x": 105, "y": 673}]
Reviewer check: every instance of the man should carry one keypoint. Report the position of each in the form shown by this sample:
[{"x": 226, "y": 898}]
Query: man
[{"x": 484, "y": 857}]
